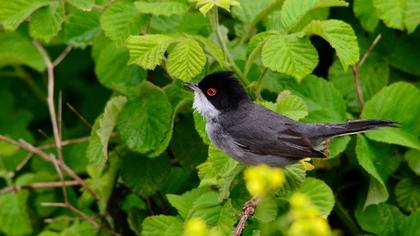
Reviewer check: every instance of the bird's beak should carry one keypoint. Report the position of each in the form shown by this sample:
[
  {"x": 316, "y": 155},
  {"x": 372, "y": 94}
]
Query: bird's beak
[{"x": 192, "y": 86}]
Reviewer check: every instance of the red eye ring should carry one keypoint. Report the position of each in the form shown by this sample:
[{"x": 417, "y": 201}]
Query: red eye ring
[{"x": 211, "y": 92}]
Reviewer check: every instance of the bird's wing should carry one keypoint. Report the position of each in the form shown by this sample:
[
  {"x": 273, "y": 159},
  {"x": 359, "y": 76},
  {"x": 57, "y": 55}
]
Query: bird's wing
[{"x": 268, "y": 133}]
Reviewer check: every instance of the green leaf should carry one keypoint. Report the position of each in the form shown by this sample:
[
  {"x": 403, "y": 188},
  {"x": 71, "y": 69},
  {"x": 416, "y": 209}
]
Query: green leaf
[
  {"x": 391, "y": 12},
  {"x": 183, "y": 203},
  {"x": 164, "y": 8},
  {"x": 145, "y": 122},
  {"x": 121, "y": 20},
  {"x": 383, "y": 214},
  {"x": 410, "y": 226},
  {"x": 290, "y": 55},
  {"x": 113, "y": 72},
  {"x": 16, "y": 49},
  {"x": 197, "y": 153},
  {"x": 46, "y": 22},
  {"x": 144, "y": 175},
  {"x": 320, "y": 194},
  {"x": 206, "y": 5},
  {"x": 81, "y": 28},
  {"x": 404, "y": 57},
  {"x": 392, "y": 103},
  {"x": 295, "y": 175},
  {"x": 147, "y": 50},
  {"x": 407, "y": 194},
  {"x": 216, "y": 168},
  {"x": 373, "y": 76},
  {"x": 190, "y": 22},
  {"x": 411, "y": 16},
  {"x": 80, "y": 228},
  {"x": 366, "y": 13},
  {"x": 85, "y": 5},
  {"x": 266, "y": 210},
  {"x": 413, "y": 158},
  {"x": 14, "y": 215},
  {"x": 211, "y": 48},
  {"x": 161, "y": 225},
  {"x": 200, "y": 127},
  {"x": 293, "y": 11},
  {"x": 249, "y": 9},
  {"x": 187, "y": 60},
  {"x": 291, "y": 106},
  {"x": 97, "y": 151},
  {"x": 341, "y": 37},
  {"x": 13, "y": 13},
  {"x": 378, "y": 160}
]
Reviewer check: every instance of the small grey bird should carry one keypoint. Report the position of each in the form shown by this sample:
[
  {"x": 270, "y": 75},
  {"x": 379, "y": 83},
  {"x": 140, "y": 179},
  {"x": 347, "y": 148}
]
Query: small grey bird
[{"x": 252, "y": 134}]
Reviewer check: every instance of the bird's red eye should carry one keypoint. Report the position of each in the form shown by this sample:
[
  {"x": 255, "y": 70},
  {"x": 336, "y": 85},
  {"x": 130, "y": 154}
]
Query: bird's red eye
[{"x": 211, "y": 92}]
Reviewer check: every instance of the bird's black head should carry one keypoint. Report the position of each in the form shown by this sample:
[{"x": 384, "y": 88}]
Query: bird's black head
[{"x": 222, "y": 90}]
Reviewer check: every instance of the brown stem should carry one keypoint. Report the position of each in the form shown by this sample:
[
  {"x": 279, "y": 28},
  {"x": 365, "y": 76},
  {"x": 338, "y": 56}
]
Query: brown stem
[
  {"x": 247, "y": 211},
  {"x": 63, "y": 55},
  {"x": 53, "y": 113},
  {"x": 356, "y": 71},
  {"x": 83, "y": 119},
  {"x": 81, "y": 214},
  {"x": 38, "y": 185},
  {"x": 30, "y": 148}
]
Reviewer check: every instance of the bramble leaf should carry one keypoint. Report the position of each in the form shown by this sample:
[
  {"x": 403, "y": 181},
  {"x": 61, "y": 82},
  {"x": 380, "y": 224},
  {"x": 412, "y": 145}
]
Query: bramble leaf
[
  {"x": 365, "y": 12},
  {"x": 85, "y": 5},
  {"x": 164, "y": 8},
  {"x": 13, "y": 13},
  {"x": 290, "y": 54},
  {"x": 407, "y": 194},
  {"x": 320, "y": 194},
  {"x": 147, "y": 50},
  {"x": 161, "y": 225},
  {"x": 14, "y": 215},
  {"x": 121, "y": 20},
  {"x": 46, "y": 22},
  {"x": 186, "y": 60}
]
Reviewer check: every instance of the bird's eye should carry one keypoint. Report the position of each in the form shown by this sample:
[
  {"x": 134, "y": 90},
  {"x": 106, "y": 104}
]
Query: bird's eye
[{"x": 211, "y": 92}]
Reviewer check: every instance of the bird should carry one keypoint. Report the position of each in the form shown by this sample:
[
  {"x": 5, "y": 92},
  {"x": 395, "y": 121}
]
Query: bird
[{"x": 253, "y": 134}]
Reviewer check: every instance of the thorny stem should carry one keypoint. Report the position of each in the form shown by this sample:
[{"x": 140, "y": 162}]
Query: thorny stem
[
  {"x": 356, "y": 71},
  {"x": 214, "y": 21}
]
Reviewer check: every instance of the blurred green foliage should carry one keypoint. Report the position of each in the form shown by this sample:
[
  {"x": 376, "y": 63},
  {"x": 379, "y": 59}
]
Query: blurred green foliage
[{"x": 135, "y": 140}]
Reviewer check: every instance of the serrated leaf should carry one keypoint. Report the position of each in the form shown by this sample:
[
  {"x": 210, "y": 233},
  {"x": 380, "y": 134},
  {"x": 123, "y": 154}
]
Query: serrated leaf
[
  {"x": 13, "y": 13},
  {"x": 290, "y": 55},
  {"x": 378, "y": 160},
  {"x": 144, "y": 175},
  {"x": 145, "y": 122},
  {"x": 113, "y": 72},
  {"x": 81, "y": 28},
  {"x": 14, "y": 215},
  {"x": 97, "y": 151},
  {"x": 162, "y": 225},
  {"x": 186, "y": 61},
  {"x": 16, "y": 49},
  {"x": 200, "y": 127},
  {"x": 183, "y": 203},
  {"x": 206, "y": 5},
  {"x": 190, "y": 22},
  {"x": 320, "y": 194},
  {"x": 216, "y": 168},
  {"x": 164, "y": 8},
  {"x": 147, "y": 50},
  {"x": 412, "y": 15},
  {"x": 407, "y": 194},
  {"x": 391, "y": 12},
  {"x": 365, "y": 12},
  {"x": 293, "y": 11},
  {"x": 121, "y": 20},
  {"x": 404, "y": 57},
  {"x": 249, "y": 9},
  {"x": 292, "y": 106},
  {"x": 341, "y": 37},
  {"x": 381, "y": 214},
  {"x": 211, "y": 48},
  {"x": 266, "y": 210},
  {"x": 46, "y": 22},
  {"x": 392, "y": 103},
  {"x": 85, "y": 5},
  {"x": 413, "y": 159},
  {"x": 295, "y": 175},
  {"x": 410, "y": 226}
]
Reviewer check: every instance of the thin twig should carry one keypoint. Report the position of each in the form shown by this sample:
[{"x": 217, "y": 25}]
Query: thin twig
[
  {"x": 83, "y": 119},
  {"x": 38, "y": 185},
  {"x": 71, "y": 141},
  {"x": 81, "y": 214},
  {"x": 53, "y": 113},
  {"x": 247, "y": 211},
  {"x": 60, "y": 115},
  {"x": 356, "y": 71},
  {"x": 24, "y": 162},
  {"x": 30, "y": 148},
  {"x": 63, "y": 55}
]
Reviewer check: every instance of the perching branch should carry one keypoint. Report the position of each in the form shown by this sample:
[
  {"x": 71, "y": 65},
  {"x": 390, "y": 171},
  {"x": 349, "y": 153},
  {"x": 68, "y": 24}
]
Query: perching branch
[
  {"x": 356, "y": 71},
  {"x": 247, "y": 211}
]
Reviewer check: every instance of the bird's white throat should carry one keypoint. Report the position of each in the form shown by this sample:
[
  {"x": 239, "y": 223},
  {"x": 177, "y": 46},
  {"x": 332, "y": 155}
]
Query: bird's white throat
[{"x": 203, "y": 106}]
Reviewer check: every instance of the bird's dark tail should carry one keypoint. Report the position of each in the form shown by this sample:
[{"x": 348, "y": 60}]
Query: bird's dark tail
[{"x": 355, "y": 126}]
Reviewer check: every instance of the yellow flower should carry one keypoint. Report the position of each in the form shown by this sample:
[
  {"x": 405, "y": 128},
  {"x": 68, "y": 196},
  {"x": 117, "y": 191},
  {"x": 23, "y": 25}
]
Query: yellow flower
[
  {"x": 260, "y": 179},
  {"x": 195, "y": 227},
  {"x": 302, "y": 207},
  {"x": 314, "y": 226}
]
